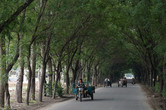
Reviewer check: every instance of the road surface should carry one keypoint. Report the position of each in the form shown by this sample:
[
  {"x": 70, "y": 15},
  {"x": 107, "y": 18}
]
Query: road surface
[{"x": 130, "y": 98}]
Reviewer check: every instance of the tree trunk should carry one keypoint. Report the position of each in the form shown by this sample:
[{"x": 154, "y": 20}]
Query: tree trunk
[
  {"x": 54, "y": 93},
  {"x": 74, "y": 75},
  {"x": 42, "y": 81},
  {"x": 94, "y": 80},
  {"x": 9, "y": 67},
  {"x": 69, "y": 64},
  {"x": 29, "y": 75},
  {"x": 161, "y": 85},
  {"x": 96, "y": 75},
  {"x": 44, "y": 53},
  {"x": 57, "y": 78},
  {"x": 42, "y": 8},
  {"x": 53, "y": 76},
  {"x": 19, "y": 84},
  {"x": 164, "y": 71},
  {"x": 88, "y": 74},
  {"x": 50, "y": 76},
  {"x": 74, "y": 71},
  {"x": 2, "y": 71},
  {"x": 67, "y": 79},
  {"x": 7, "y": 94},
  {"x": 33, "y": 84}
]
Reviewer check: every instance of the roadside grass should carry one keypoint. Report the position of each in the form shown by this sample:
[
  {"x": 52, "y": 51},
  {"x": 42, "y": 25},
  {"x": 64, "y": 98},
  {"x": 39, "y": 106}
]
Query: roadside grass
[{"x": 33, "y": 101}]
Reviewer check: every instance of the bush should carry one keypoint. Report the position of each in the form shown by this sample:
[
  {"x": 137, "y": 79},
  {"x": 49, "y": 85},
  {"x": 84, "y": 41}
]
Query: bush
[
  {"x": 59, "y": 89},
  {"x": 7, "y": 108},
  {"x": 49, "y": 89},
  {"x": 70, "y": 89},
  {"x": 33, "y": 101},
  {"x": 164, "y": 92},
  {"x": 46, "y": 89},
  {"x": 157, "y": 87}
]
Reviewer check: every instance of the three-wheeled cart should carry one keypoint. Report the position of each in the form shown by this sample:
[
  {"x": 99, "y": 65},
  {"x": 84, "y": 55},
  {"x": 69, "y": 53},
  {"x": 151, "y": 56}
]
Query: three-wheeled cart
[{"x": 83, "y": 92}]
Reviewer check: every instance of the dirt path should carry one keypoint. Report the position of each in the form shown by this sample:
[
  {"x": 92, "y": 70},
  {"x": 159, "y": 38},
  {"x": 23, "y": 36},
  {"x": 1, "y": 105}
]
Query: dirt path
[
  {"x": 37, "y": 105},
  {"x": 157, "y": 102}
]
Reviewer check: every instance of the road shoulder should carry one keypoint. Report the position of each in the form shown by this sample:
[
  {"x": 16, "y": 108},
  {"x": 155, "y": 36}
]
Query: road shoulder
[{"x": 154, "y": 100}]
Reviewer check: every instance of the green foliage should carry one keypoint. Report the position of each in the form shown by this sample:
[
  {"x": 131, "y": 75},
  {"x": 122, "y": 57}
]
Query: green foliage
[
  {"x": 115, "y": 35},
  {"x": 70, "y": 89},
  {"x": 157, "y": 87},
  {"x": 33, "y": 101},
  {"x": 7, "y": 108},
  {"x": 49, "y": 90},
  {"x": 164, "y": 92},
  {"x": 59, "y": 89}
]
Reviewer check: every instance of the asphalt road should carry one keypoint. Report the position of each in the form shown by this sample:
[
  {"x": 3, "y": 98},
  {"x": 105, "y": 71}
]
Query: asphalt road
[{"x": 130, "y": 98}]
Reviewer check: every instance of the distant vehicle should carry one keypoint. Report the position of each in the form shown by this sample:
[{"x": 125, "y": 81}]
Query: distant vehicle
[
  {"x": 122, "y": 82},
  {"x": 130, "y": 77}
]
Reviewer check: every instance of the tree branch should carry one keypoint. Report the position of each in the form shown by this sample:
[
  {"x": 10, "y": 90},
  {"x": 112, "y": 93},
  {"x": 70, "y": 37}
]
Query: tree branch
[{"x": 15, "y": 14}]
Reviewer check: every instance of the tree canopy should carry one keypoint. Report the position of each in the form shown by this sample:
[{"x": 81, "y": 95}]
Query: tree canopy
[{"x": 91, "y": 39}]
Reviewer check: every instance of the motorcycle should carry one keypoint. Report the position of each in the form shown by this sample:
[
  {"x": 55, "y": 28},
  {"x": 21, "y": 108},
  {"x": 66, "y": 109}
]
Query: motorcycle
[
  {"x": 133, "y": 81},
  {"x": 122, "y": 82},
  {"x": 106, "y": 83},
  {"x": 80, "y": 93}
]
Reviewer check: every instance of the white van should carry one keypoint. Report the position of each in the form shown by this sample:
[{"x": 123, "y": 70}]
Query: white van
[{"x": 129, "y": 77}]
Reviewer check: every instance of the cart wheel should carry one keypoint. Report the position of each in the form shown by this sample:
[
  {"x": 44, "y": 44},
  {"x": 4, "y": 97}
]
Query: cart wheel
[
  {"x": 92, "y": 96},
  {"x": 80, "y": 96},
  {"x": 76, "y": 96}
]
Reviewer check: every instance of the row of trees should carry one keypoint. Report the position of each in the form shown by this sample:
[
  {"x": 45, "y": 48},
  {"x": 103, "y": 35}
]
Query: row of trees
[
  {"x": 63, "y": 37},
  {"x": 141, "y": 27},
  {"x": 90, "y": 39},
  {"x": 146, "y": 32}
]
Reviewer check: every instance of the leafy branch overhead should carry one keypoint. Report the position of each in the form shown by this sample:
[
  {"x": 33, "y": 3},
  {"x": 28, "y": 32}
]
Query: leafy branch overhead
[{"x": 64, "y": 40}]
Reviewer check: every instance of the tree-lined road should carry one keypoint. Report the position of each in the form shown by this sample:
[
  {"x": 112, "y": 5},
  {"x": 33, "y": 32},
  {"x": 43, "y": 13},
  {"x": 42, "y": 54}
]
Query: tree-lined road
[{"x": 130, "y": 98}]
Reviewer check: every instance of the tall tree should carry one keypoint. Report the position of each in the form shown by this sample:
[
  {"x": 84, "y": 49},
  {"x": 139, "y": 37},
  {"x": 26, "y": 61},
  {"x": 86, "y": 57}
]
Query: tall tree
[
  {"x": 34, "y": 55},
  {"x": 19, "y": 84}
]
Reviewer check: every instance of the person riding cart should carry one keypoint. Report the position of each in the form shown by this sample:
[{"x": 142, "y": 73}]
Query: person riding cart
[
  {"x": 107, "y": 82},
  {"x": 122, "y": 82},
  {"x": 81, "y": 84},
  {"x": 83, "y": 90}
]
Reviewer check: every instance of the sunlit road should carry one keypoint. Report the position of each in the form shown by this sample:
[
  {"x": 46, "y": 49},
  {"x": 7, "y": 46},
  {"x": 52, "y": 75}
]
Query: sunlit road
[{"x": 130, "y": 98}]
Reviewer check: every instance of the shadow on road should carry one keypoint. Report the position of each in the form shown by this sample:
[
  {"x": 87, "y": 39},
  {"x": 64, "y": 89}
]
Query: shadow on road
[{"x": 97, "y": 100}]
